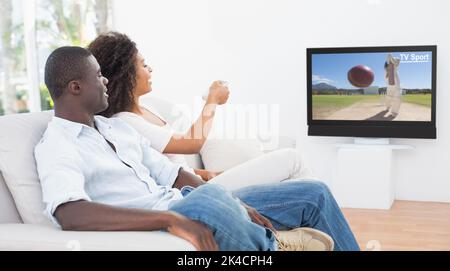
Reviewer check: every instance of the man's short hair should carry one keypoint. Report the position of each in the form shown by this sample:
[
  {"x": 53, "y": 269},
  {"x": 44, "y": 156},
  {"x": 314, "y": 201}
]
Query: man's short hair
[{"x": 64, "y": 65}]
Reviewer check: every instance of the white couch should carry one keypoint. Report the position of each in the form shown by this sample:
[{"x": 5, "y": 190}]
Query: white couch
[{"x": 24, "y": 228}]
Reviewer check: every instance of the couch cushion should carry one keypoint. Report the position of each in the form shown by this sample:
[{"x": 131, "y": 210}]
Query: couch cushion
[
  {"x": 8, "y": 210},
  {"x": 20, "y": 134},
  {"x": 223, "y": 154},
  {"x": 38, "y": 237}
]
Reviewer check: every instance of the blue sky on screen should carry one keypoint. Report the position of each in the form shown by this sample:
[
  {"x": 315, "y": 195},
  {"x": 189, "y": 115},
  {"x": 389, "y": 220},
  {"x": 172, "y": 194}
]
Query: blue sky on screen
[{"x": 414, "y": 70}]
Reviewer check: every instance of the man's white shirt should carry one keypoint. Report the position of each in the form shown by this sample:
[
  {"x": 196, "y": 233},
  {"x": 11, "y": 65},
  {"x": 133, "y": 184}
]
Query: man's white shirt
[{"x": 75, "y": 162}]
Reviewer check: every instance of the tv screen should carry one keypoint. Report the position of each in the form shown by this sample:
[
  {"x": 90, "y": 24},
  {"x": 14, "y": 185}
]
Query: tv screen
[{"x": 372, "y": 91}]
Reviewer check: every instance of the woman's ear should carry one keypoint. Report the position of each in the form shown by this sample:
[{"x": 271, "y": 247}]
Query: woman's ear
[{"x": 74, "y": 88}]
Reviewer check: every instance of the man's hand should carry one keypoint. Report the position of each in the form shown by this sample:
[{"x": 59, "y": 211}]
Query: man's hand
[
  {"x": 258, "y": 218},
  {"x": 186, "y": 178},
  {"x": 192, "y": 231}
]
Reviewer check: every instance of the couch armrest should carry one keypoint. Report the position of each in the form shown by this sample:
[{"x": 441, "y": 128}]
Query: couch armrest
[{"x": 38, "y": 238}]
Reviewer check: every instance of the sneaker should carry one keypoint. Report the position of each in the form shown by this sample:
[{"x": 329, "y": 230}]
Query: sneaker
[{"x": 304, "y": 239}]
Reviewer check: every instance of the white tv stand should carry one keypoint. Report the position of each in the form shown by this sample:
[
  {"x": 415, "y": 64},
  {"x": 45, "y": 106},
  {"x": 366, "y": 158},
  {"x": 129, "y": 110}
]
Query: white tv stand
[{"x": 363, "y": 173}]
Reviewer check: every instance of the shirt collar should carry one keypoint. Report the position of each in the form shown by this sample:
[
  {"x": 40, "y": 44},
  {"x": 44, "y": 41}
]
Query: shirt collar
[
  {"x": 103, "y": 125},
  {"x": 74, "y": 129},
  {"x": 70, "y": 127}
]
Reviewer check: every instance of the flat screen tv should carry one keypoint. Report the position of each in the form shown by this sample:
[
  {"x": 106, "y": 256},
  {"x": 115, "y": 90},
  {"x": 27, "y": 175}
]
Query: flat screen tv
[{"x": 379, "y": 92}]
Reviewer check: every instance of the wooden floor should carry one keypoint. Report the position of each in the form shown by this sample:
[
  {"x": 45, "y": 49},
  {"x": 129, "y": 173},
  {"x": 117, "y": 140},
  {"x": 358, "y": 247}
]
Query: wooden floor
[{"x": 407, "y": 225}]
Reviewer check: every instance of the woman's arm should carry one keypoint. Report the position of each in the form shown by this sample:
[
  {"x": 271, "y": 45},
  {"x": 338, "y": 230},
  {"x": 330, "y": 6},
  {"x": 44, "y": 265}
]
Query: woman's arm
[
  {"x": 206, "y": 175},
  {"x": 193, "y": 140}
]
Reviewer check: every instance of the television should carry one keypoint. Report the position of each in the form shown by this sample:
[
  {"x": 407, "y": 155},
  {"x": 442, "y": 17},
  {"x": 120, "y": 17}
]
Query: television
[{"x": 377, "y": 92}]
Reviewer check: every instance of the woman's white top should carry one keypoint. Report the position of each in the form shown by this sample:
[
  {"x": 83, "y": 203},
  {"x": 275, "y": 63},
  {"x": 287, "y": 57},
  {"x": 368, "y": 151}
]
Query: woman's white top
[{"x": 159, "y": 136}]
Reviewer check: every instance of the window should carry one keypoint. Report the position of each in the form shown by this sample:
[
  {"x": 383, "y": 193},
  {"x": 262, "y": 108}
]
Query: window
[
  {"x": 31, "y": 30},
  {"x": 13, "y": 76}
]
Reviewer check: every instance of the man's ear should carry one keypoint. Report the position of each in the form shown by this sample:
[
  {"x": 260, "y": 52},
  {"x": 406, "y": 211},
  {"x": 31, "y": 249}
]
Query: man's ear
[{"x": 74, "y": 88}]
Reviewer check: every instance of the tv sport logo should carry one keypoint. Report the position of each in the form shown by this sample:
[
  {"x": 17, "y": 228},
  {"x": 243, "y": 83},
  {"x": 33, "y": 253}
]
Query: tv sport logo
[{"x": 414, "y": 58}]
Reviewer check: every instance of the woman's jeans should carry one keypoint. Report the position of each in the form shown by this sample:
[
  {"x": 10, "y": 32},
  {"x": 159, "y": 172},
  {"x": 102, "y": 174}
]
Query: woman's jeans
[{"x": 289, "y": 204}]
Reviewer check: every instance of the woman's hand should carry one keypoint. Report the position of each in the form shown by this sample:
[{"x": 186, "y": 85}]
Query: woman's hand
[
  {"x": 218, "y": 93},
  {"x": 207, "y": 175},
  {"x": 210, "y": 175}
]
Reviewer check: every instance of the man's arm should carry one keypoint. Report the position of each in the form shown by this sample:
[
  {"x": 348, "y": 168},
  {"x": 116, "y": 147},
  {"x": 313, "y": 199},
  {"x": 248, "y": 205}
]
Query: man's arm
[
  {"x": 89, "y": 216},
  {"x": 186, "y": 178}
]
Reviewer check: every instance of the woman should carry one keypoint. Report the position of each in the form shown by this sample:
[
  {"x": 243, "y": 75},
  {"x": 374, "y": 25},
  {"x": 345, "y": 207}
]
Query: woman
[{"x": 130, "y": 78}]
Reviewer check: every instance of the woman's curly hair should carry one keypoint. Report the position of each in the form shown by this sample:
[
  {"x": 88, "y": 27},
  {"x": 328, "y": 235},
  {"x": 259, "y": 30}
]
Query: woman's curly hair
[{"x": 116, "y": 54}]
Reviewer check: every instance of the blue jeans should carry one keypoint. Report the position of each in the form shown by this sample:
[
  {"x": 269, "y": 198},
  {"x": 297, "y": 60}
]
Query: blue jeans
[{"x": 289, "y": 204}]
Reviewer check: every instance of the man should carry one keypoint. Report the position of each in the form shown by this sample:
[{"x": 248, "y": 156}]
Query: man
[
  {"x": 393, "y": 90},
  {"x": 99, "y": 174}
]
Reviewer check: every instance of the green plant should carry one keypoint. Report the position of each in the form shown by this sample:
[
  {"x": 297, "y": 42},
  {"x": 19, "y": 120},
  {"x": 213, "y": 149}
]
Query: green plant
[
  {"x": 21, "y": 101},
  {"x": 21, "y": 94},
  {"x": 2, "y": 111}
]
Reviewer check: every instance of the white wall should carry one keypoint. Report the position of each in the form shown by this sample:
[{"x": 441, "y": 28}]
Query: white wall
[{"x": 259, "y": 46}]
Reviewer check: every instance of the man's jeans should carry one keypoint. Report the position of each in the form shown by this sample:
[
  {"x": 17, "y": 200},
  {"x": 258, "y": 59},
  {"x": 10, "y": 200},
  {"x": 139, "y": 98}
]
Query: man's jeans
[{"x": 289, "y": 204}]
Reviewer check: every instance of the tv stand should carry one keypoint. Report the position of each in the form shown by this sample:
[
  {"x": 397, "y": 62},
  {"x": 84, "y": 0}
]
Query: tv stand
[
  {"x": 371, "y": 141},
  {"x": 363, "y": 175}
]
